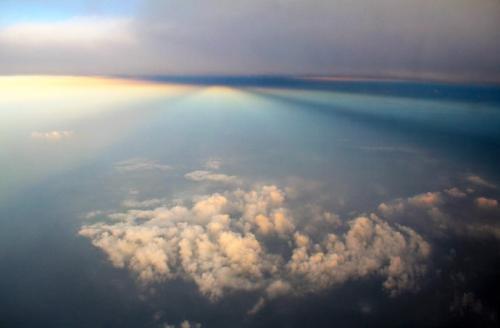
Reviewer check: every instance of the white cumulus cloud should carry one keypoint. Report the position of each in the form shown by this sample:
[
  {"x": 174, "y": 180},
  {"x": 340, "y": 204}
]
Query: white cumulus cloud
[{"x": 222, "y": 243}]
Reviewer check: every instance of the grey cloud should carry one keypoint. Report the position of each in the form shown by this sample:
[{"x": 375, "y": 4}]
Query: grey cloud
[{"x": 413, "y": 38}]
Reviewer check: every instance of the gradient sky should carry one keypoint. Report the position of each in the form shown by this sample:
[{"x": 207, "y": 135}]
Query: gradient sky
[
  {"x": 445, "y": 39},
  {"x": 153, "y": 175}
]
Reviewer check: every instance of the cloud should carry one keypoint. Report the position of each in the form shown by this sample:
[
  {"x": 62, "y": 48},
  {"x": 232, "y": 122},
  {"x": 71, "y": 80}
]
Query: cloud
[
  {"x": 184, "y": 324},
  {"x": 467, "y": 302},
  {"x": 93, "y": 214},
  {"x": 91, "y": 45},
  {"x": 89, "y": 30},
  {"x": 448, "y": 211},
  {"x": 131, "y": 203},
  {"x": 482, "y": 230},
  {"x": 52, "y": 135},
  {"x": 484, "y": 202},
  {"x": 370, "y": 246},
  {"x": 278, "y": 222},
  {"x": 278, "y": 288},
  {"x": 477, "y": 180},
  {"x": 253, "y": 238},
  {"x": 213, "y": 164},
  {"x": 201, "y": 175},
  {"x": 389, "y": 209},
  {"x": 222, "y": 242},
  {"x": 140, "y": 164},
  {"x": 314, "y": 37},
  {"x": 261, "y": 302},
  {"x": 428, "y": 199},
  {"x": 455, "y": 192}
]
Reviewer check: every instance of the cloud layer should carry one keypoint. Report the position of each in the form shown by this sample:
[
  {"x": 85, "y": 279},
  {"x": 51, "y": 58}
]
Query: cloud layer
[
  {"x": 451, "y": 211},
  {"x": 383, "y": 38},
  {"x": 250, "y": 240}
]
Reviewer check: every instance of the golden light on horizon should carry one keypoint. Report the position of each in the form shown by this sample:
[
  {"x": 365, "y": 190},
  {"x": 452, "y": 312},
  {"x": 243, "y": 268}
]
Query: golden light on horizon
[
  {"x": 55, "y": 98},
  {"x": 48, "y": 85}
]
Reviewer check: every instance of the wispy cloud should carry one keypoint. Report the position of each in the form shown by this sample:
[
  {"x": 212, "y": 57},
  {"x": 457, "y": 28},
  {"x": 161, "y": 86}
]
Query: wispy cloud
[
  {"x": 77, "y": 31},
  {"x": 201, "y": 175},
  {"x": 140, "y": 164},
  {"x": 477, "y": 180},
  {"x": 213, "y": 164},
  {"x": 52, "y": 135},
  {"x": 132, "y": 203}
]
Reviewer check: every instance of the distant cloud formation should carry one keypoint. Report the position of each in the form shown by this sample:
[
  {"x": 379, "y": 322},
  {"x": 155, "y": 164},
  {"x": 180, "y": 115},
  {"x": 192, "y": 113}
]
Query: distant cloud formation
[
  {"x": 455, "y": 192},
  {"x": 223, "y": 243},
  {"x": 131, "y": 203},
  {"x": 477, "y": 180},
  {"x": 484, "y": 202},
  {"x": 352, "y": 38},
  {"x": 52, "y": 135},
  {"x": 140, "y": 164},
  {"x": 213, "y": 164},
  {"x": 434, "y": 211},
  {"x": 201, "y": 175},
  {"x": 93, "y": 214}
]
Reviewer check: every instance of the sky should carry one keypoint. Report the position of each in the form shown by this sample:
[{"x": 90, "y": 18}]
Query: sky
[
  {"x": 454, "y": 40},
  {"x": 135, "y": 203},
  {"x": 189, "y": 164}
]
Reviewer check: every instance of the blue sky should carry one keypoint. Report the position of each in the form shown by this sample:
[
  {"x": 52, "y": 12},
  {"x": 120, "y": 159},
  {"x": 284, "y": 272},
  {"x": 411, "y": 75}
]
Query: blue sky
[{"x": 15, "y": 11}]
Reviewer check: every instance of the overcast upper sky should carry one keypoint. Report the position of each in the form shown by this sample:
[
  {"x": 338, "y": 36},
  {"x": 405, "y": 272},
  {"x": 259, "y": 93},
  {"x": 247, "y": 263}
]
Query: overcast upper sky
[{"x": 442, "y": 39}]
